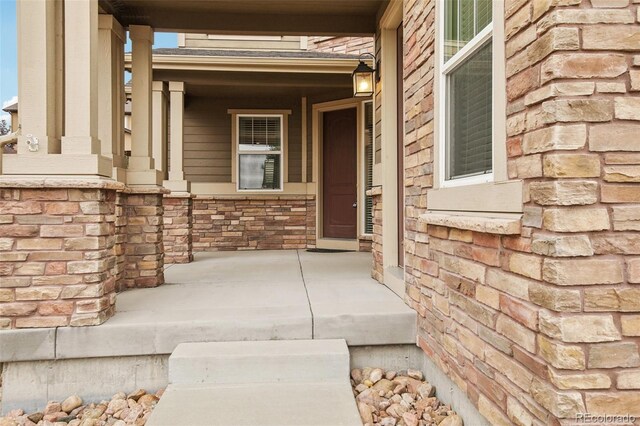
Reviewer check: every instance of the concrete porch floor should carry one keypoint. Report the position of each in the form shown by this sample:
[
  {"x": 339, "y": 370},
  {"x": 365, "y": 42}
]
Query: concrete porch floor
[{"x": 257, "y": 295}]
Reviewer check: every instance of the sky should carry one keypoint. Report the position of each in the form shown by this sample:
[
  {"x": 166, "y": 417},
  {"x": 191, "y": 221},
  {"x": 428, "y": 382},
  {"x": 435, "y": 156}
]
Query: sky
[{"x": 9, "y": 54}]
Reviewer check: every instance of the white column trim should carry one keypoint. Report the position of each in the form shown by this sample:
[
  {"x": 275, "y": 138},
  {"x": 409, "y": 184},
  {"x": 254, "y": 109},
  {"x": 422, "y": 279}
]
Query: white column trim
[{"x": 176, "y": 181}]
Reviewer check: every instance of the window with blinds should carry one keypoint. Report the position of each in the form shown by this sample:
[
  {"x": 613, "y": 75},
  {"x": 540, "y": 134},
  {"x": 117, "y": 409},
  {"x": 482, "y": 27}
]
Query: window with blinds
[
  {"x": 467, "y": 74},
  {"x": 368, "y": 166},
  {"x": 259, "y": 152}
]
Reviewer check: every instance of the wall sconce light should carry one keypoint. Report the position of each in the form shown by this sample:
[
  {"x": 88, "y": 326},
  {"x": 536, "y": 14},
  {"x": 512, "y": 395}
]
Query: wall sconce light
[{"x": 363, "y": 78}]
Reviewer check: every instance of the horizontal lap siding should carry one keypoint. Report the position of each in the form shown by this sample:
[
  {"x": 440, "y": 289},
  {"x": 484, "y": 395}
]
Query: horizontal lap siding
[{"x": 207, "y": 136}]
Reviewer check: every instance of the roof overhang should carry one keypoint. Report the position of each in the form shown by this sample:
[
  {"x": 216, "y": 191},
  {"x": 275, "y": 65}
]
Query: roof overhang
[
  {"x": 259, "y": 17},
  {"x": 251, "y": 64}
]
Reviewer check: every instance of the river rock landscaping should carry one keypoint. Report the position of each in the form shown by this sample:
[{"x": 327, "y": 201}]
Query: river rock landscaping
[
  {"x": 122, "y": 410},
  {"x": 404, "y": 398}
]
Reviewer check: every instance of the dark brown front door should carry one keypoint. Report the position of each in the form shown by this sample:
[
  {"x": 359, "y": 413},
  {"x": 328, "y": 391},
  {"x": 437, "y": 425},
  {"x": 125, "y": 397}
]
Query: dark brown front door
[
  {"x": 400, "y": 115},
  {"x": 339, "y": 177}
]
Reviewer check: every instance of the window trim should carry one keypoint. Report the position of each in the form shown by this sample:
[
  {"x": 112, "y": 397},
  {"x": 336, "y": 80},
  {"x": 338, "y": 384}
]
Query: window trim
[
  {"x": 238, "y": 151},
  {"x": 446, "y": 68},
  {"x": 447, "y": 197}
]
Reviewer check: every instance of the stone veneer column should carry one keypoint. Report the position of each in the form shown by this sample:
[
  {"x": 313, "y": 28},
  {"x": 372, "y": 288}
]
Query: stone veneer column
[
  {"x": 377, "y": 272},
  {"x": 56, "y": 252},
  {"x": 143, "y": 247},
  {"x": 178, "y": 227},
  {"x": 539, "y": 322}
]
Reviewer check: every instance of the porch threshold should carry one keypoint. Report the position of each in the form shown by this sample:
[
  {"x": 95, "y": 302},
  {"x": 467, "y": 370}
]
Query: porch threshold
[{"x": 235, "y": 296}]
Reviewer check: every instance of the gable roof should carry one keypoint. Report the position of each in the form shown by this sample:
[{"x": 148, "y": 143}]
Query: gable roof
[{"x": 11, "y": 108}]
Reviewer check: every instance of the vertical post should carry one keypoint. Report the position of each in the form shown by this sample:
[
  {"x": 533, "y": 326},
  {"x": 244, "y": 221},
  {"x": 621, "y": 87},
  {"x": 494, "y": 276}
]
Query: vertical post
[
  {"x": 81, "y": 78},
  {"x": 159, "y": 126},
  {"x": 304, "y": 137},
  {"x": 39, "y": 25},
  {"x": 111, "y": 90},
  {"x": 141, "y": 113},
  {"x": 176, "y": 180}
]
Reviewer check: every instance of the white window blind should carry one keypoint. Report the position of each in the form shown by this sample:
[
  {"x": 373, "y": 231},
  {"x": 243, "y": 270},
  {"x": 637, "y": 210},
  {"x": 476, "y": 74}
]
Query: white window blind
[
  {"x": 467, "y": 74},
  {"x": 259, "y": 152}
]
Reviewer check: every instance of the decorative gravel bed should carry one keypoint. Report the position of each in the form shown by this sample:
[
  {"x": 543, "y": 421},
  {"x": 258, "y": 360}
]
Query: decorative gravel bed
[
  {"x": 132, "y": 409},
  {"x": 403, "y": 398}
]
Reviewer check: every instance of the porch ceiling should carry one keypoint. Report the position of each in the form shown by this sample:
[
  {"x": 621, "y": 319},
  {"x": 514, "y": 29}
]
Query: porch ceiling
[{"x": 287, "y": 17}]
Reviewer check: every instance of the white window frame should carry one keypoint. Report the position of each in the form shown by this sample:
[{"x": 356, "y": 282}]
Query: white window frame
[
  {"x": 445, "y": 69},
  {"x": 279, "y": 152}
]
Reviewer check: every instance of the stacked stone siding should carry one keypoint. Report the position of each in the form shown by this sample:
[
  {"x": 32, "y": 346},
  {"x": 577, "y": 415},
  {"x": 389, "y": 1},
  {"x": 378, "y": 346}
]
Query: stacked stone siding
[
  {"x": 541, "y": 325},
  {"x": 377, "y": 271},
  {"x": 178, "y": 228},
  {"x": 144, "y": 251},
  {"x": 255, "y": 222},
  {"x": 56, "y": 256},
  {"x": 346, "y": 45}
]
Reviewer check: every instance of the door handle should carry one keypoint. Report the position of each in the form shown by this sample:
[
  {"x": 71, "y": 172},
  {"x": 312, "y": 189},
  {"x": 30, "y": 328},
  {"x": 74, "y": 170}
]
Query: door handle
[{"x": 355, "y": 205}]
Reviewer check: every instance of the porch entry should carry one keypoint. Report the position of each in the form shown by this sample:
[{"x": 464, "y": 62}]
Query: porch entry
[{"x": 339, "y": 174}]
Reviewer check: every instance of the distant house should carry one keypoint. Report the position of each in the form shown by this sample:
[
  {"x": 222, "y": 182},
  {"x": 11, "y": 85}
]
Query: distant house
[{"x": 12, "y": 109}]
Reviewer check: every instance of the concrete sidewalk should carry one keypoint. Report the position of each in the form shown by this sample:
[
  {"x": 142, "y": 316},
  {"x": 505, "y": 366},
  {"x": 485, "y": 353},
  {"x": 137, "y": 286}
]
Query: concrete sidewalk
[{"x": 237, "y": 296}]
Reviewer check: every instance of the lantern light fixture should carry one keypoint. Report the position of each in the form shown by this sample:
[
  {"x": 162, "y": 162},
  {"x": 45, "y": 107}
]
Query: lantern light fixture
[{"x": 363, "y": 78}]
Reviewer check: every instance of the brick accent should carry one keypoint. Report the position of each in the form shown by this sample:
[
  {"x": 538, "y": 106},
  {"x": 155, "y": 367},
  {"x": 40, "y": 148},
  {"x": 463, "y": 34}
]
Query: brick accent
[
  {"x": 539, "y": 326},
  {"x": 256, "y": 222},
  {"x": 178, "y": 227},
  {"x": 56, "y": 256},
  {"x": 365, "y": 242},
  {"x": 377, "y": 272},
  {"x": 144, "y": 252},
  {"x": 346, "y": 45}
]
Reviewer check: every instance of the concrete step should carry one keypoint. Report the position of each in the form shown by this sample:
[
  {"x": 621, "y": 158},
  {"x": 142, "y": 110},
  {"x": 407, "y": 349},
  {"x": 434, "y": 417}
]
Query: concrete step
[
  {"x": 259, "y": 362},
  {"x": 267, "y": 383},
  {"x": 263, "y": 404}
]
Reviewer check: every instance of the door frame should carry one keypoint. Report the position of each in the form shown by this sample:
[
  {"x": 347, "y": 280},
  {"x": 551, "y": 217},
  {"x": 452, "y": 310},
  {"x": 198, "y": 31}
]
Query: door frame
[
  {"x": 317, "y": 145},
  {"x": 393, "y": 275}
]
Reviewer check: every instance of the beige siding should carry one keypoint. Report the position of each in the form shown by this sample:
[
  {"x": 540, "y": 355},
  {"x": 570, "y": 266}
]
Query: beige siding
[
  {"x": 205, "y": 41},
  {"x": 207, "y": 136}
]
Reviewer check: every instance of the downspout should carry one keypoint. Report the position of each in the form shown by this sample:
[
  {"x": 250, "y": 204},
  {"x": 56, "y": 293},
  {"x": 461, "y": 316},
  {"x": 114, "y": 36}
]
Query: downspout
[{"x": 5, "y": 140}]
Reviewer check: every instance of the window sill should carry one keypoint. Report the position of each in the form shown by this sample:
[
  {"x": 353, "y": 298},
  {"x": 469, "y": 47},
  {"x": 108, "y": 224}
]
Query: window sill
[
  {"x": 494, "y": 197},
  {"x": 501, "y": 224},
  {"x": 375, "y": 191}
]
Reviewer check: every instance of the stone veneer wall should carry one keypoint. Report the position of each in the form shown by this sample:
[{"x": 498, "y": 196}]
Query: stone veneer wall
[
  {"x": 377, "y": 272},
  {"x": 253, "y": 222},
  {"x": 545, "y": 324},
  {"x": 178, "y": 228},
  {"x": 56, "y": 255},
  {"x": 346, "y": 45}
]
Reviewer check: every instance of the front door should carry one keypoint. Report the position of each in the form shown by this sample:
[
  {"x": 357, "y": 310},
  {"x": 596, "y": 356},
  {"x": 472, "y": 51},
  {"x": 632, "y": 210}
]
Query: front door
[{"x": 339, "y": 176}]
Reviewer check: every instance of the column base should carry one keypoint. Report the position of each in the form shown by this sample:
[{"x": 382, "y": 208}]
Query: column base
[
  {"x": 143, "y": 247},
  {"x": 177, "y": 185},
  {"x": 119, "y": 174},
  {"x": 178, "y": 227},
  {"x": 144, "y": 177},
  {"x": 57, "y": 252},
  {"x": 57, "y": 164}
]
